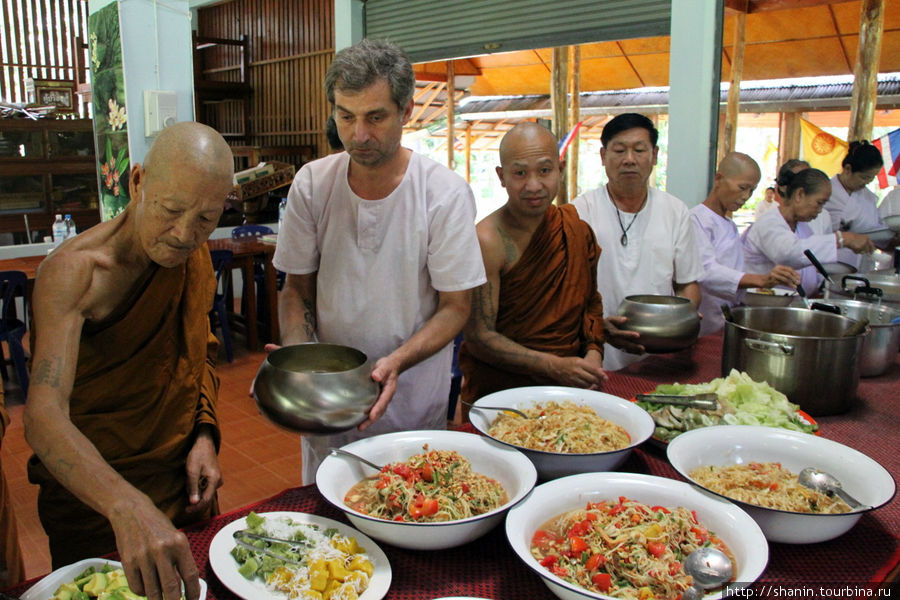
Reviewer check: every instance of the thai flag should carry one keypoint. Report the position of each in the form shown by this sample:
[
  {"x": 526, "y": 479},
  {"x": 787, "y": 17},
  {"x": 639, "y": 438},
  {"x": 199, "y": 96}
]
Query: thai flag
[
  {"x": 564, "y": 143},
  {"x": 889, "y": 146}
]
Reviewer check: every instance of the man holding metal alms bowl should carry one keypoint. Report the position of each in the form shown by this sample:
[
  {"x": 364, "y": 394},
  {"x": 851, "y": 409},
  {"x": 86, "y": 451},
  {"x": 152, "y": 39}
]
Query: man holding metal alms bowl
[{"x": 379, "y": 249}]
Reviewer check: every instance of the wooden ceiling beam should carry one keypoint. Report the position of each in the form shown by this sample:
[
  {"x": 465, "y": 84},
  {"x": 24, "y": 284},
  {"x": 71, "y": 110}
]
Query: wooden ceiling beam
[{"x": 757, "y": 6}]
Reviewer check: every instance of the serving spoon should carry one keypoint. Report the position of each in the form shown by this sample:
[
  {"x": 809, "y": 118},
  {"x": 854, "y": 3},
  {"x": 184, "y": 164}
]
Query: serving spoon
[
  {"x": 512, "y": 410},
  {"x": 826, "y": 483},
  {"x": 365, "y": 461},
  {"x": 710, "y": 568}
]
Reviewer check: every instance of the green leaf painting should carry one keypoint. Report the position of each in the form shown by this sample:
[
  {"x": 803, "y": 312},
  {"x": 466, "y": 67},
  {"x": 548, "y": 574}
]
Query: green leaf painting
[{"x": 109, "y": 109}]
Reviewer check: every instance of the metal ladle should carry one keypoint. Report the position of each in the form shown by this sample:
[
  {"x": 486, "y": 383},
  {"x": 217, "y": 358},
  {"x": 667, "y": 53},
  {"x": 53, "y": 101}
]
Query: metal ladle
[
  {"x": 365, "y": 461},
  {"x": 710, "y": 568},
  {"x": 512, "y": 410},
  {"x": 828, "y": 484}
]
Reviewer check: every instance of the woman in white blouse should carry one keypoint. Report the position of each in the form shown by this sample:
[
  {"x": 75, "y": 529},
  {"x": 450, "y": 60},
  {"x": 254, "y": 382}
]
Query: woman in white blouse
[{"x": 780, "y": 236}]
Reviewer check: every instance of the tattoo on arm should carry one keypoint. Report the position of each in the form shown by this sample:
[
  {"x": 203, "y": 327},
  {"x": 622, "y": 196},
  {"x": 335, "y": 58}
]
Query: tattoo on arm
[
  {"x": 62, "y": 470},
  {"x": 309, "y": 319},
  {"x": 483, "y": 307},
  {"x": 47, "y": 372}
]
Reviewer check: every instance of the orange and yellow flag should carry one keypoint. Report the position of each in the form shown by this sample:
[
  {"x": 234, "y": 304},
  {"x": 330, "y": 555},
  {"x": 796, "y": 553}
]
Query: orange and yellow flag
[{"x": 822, "y": 150}]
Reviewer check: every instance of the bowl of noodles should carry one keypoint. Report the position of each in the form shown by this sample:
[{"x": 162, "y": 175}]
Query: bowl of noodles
[
  {"x": 569, "y": 430},
  {"x": 436, "y": 490},
  {"x": 626, "y": 535},
  {"x": 756, "y": 468}
]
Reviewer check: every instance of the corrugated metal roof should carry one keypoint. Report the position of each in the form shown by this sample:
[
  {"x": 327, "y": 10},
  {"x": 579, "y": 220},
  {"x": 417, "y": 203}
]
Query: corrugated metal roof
[{"x": 753, "y": 99}]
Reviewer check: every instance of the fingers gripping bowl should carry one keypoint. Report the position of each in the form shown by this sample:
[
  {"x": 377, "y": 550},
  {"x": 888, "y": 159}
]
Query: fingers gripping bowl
[
  {"x": 508, "y": 467},
  {"x": 315, "y": 388},
  {"x": 720, "y": 445},
  {"x": 635, "y": 420}
]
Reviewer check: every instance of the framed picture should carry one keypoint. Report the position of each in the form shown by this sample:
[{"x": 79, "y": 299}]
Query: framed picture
[{"x": 54, "y": 92}]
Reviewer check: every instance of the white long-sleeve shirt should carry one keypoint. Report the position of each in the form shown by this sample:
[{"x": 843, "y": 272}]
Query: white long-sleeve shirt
[
  {"x": 770, "y": 241},
  {"x": 723, "y": 262}
]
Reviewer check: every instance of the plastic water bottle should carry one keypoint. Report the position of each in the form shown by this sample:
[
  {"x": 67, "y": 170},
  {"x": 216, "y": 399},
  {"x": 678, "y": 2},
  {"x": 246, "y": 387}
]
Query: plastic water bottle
[
  {"x": 282, "y": 207},
  {"x": 70, "y": 227},
  {"x": 59, "y": 230}
]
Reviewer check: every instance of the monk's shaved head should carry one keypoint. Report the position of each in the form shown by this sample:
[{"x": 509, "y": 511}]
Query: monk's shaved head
[
  {"x": 191, "y": 146},
  {"x": 738, "y": 163},
  {"x": 526, "y": 132}
]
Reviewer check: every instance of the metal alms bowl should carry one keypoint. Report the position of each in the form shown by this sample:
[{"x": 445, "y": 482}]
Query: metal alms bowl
[
  {"x": 666, "y": 323},
  {"x": 315, "y": 388}
]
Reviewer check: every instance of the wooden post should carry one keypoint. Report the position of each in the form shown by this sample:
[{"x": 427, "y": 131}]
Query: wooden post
[
  {"x": 558, "y": 103},
  {"x": 789, "y": 137},
  {"x": 575, "y": 117},
  {"x": 469, "y": 152},
  {"x": 865, "y": 72},
  {"x": 734, "y": 92},
  {"x": 451, "y": 114}
]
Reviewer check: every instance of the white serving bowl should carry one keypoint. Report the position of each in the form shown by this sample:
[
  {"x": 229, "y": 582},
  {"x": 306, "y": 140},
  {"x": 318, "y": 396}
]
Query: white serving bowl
[
  {"x": 337, "y": 474},
  {"x": 732, "y": 525},
  {"x": 550, "y": 465},
  {"x": 860, "y": 476}
]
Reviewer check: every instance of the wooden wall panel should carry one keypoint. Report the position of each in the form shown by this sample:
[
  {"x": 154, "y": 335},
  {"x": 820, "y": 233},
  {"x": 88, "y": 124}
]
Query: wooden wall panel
[
  {"x": 38, "y": 41},
  {"x": 290, "y": 45}
]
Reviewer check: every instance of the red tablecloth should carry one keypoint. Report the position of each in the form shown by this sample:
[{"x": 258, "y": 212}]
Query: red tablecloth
[{"x": 488, "y": 568}]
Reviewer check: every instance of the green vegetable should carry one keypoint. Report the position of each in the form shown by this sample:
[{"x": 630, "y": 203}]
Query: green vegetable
[{"x": 744, "y": 402}]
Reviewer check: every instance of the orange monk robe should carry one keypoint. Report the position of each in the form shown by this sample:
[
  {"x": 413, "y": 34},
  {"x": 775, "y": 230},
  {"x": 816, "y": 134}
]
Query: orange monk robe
[
  {"x": 548, "y": 302},
  {"x": 145, "y": 380},
  {"x": 12, "y": 570}
]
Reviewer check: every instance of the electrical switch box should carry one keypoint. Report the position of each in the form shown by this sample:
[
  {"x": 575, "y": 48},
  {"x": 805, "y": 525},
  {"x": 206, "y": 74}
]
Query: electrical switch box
[{"x": 160, "y": 110}]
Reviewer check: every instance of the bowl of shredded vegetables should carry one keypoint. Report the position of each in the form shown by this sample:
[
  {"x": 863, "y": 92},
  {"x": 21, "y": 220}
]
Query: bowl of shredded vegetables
[
  {"x": 436, "y": 490},
  {"x": 568, "y": 430},
  {"x": 626, "y": 535},
  {"x": 757, "y": 467}
]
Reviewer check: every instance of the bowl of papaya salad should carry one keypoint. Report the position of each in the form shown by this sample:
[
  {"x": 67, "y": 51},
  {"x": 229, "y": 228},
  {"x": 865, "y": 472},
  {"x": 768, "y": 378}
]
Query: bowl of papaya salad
[
  {"x": 626, "y": 536},
  {"x": 436, "y": 489}
]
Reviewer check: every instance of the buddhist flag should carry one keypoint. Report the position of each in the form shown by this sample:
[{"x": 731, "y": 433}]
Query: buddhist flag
[
  {"x": 889, "y": 145},
  {"x": 822, "y": 150}
]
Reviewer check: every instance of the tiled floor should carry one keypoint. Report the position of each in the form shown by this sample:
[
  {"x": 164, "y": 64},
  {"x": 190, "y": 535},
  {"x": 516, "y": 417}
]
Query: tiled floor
[{"x": 257, "y": 458}]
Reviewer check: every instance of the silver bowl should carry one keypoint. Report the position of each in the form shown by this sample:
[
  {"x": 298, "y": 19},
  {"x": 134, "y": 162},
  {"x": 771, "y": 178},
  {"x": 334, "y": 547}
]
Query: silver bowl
[
  {"x": 666, "y": 323},
  {"x": 770, "y": 297},
  {"x": 315, "y": 388}
]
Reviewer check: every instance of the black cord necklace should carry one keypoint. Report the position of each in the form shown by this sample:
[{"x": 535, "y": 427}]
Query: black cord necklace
[{"x": 624, "y": 239}]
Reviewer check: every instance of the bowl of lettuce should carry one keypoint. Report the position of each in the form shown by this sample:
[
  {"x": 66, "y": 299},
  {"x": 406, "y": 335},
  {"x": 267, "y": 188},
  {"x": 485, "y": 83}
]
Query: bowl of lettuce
[{"x": 742, "y": 401}]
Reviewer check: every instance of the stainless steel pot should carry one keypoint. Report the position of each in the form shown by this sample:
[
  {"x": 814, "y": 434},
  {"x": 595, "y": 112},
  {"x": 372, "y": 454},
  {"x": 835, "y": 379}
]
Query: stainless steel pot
[
  {"x": 875, "y": 286},
  {"x": 799, "y": 352},
  {"x": 881, "y": 344}
]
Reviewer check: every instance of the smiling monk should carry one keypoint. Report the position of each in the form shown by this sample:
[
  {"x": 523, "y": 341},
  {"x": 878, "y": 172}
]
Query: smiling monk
[
  {"x": 121, "y": 408},
  {"x": 539, "y": 318}
]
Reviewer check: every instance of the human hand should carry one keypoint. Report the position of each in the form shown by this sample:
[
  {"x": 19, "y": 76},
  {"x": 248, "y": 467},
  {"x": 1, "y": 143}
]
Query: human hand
[
  {"x": 156, "y": 557},
  {"x": 386, "y": 373},
  {"x": 575, "y": 371},
  {"x": 781, "y": 274},
  {"x": 628, "y": 341},
  {"x": 203, "y": 474},
  {"x": 860, "y": 243}
]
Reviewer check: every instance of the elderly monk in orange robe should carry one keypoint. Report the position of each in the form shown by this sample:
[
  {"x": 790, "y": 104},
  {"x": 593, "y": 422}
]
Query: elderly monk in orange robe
[
  {"x": 539, "y": 318},
  {"x": 121, "y": 408},
  {"x": 11, "y": 568}
]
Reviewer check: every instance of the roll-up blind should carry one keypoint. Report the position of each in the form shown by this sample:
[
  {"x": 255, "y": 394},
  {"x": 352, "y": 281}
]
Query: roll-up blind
[{"x": 441, "y": 29}]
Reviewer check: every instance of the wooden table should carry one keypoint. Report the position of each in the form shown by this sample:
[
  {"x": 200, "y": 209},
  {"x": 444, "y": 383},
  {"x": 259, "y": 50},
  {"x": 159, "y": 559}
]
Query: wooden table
[{"x": 245, "y": 252}]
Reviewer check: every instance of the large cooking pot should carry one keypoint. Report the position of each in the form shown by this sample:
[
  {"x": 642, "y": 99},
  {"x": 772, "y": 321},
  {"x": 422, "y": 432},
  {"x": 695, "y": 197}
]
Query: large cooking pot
[
  {"x": 799, "y": 352},
  {"x": 880, "y": 345},
  {"x": 882, "y": 286}
]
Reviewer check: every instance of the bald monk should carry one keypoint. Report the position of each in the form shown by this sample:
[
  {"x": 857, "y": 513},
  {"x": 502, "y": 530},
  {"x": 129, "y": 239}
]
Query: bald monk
[
  {"x": 121, "y": 409},
  {"x": 11, "y": 568},
  {"x": 539, "y": 318},
  {"x": 724, "y": 278}
]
